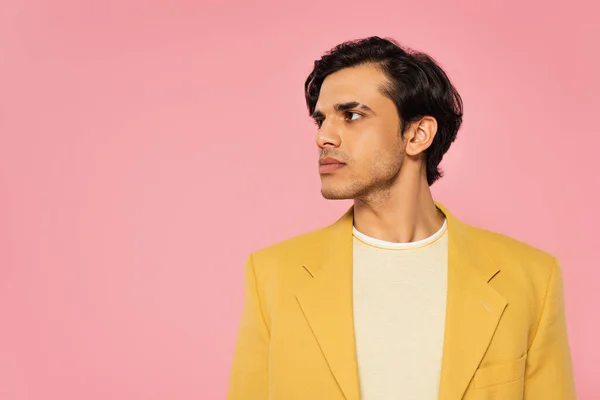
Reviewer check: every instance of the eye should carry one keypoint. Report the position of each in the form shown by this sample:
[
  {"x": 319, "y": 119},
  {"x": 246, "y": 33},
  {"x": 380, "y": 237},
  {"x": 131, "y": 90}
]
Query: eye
[
  {"x": 353, "y": 116},
  {"x": 318, "y": 122}
]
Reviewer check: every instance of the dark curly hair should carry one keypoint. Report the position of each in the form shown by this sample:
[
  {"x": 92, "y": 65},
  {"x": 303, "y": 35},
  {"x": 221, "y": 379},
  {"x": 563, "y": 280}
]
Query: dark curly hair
[{"x": 417, "y": 86}]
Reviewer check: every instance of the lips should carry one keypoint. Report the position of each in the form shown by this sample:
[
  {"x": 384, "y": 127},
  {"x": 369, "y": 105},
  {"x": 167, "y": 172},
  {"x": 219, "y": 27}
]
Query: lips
[
  {"x": 328, "y": 165},
  {"x": 330, "y": 161}
]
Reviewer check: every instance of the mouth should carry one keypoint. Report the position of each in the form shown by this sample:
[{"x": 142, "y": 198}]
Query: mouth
[{"x": 328, "y": 165}]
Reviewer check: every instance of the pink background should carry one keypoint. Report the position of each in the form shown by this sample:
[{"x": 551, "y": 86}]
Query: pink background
[{"x": 147, "y": 147}]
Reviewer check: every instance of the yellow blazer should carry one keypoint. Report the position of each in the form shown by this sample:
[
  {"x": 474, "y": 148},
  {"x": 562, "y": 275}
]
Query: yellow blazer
[{"x": 505, "y": 336}]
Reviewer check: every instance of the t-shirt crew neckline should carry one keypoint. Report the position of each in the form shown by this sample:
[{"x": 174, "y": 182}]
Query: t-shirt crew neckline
[{"x": 400, "y": 246}]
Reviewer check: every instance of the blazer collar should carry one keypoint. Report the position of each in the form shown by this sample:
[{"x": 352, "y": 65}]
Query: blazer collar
[{"x": 473, "y": 307}]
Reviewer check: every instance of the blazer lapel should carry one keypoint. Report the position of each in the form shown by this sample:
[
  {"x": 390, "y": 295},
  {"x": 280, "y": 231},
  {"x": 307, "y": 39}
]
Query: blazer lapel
[
  {"x": 473, "y": 309},
  {"x": 326, "y": 302}
]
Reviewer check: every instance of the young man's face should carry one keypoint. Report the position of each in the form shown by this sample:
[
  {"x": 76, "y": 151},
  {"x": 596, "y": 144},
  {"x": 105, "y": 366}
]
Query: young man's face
[{"x": 366, "y": 140}]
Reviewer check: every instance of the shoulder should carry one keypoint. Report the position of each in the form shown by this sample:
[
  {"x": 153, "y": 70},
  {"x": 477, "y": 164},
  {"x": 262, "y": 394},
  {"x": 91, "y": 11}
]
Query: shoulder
[
  {"x": 279, "y": 268},
  {"x": 283, "y": 261},
  {"x": 507, "y": 247},
  {"x": 519, "y": 261}
]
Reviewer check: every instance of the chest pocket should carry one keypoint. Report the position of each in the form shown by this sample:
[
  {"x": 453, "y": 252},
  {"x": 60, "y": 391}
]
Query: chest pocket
[
  {"x": 498, "y": 381},
  {"x": 499, "y": 373}
]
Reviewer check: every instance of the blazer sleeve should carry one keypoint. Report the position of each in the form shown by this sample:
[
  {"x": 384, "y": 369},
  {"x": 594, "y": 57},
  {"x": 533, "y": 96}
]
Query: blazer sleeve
[
  {"x": 549, "y": 373},
  {"x": 249, "y": 373}
]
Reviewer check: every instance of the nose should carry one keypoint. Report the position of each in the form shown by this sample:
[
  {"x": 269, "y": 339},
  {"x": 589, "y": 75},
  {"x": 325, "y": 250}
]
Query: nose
[{"x": 327, "y": 136}]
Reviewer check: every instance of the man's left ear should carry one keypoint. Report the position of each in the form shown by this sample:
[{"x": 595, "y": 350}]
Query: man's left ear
[{"x": 422, "y": 137}]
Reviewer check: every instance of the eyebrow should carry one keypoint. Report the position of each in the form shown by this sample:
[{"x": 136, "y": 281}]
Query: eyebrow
[{"x": 344, "y": 107}]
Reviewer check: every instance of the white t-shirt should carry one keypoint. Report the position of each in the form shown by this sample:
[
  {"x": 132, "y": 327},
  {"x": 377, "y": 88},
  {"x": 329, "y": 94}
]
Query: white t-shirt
[{"x": 399, "y": 301}]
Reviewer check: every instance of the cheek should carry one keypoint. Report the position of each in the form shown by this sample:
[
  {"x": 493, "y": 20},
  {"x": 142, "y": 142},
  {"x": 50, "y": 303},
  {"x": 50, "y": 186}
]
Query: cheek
[
  {"x": 376, "y": 149},
  {"x": 376, "y": 164}
]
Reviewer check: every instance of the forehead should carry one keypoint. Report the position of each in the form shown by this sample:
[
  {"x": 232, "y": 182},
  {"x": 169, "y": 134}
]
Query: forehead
[{"x": 361, "y": 83}]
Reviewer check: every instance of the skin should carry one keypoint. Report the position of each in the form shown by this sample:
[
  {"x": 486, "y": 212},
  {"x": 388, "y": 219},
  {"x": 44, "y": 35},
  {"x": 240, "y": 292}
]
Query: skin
[{"x": 384, "y": 172}]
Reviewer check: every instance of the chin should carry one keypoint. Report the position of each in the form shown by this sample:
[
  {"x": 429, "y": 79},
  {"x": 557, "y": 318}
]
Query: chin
[
  {"x": 333, "y": 196},
  {"x": 336, "y": 193}
]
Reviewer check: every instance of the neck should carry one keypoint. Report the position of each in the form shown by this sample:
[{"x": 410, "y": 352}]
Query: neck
[{"x": 404, "y": 213}]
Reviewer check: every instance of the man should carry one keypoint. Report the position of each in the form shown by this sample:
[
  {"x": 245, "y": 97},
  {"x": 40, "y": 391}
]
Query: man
[{"x": 398, "y": 299}]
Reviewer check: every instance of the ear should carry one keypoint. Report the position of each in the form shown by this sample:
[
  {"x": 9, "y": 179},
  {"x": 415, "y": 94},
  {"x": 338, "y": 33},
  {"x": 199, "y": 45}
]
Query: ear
[{"x": 420, "y": 136}]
